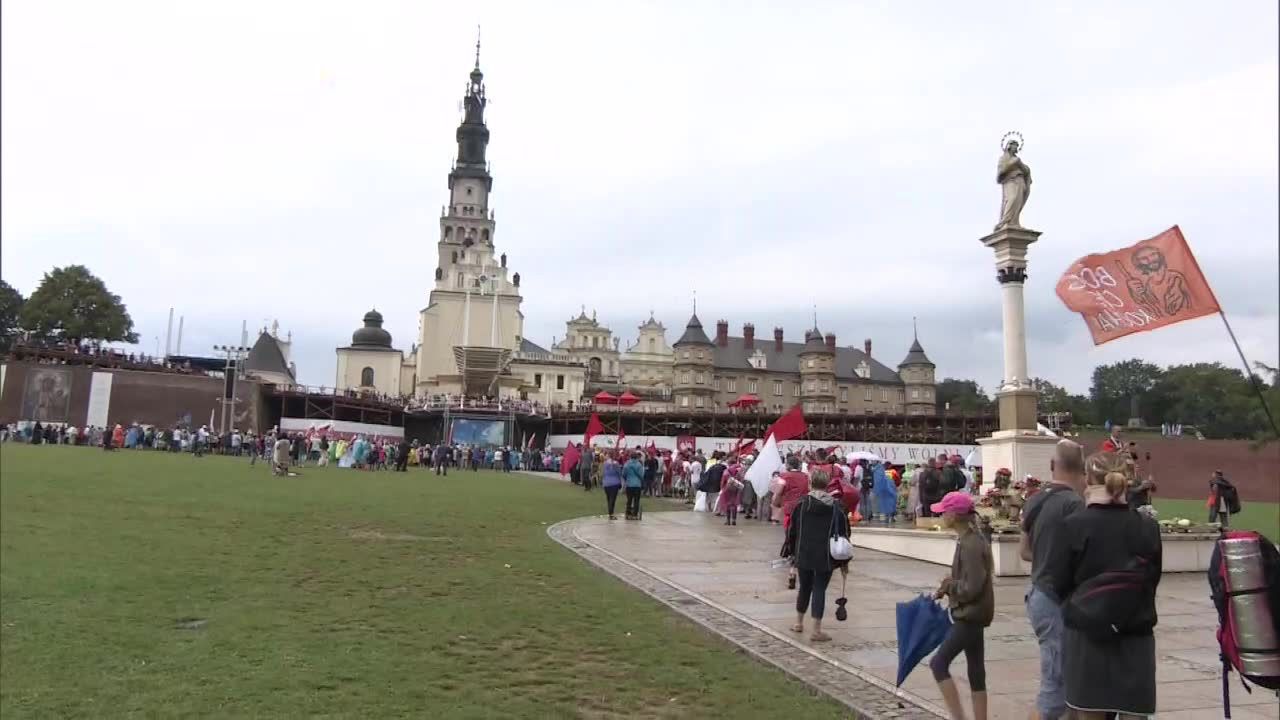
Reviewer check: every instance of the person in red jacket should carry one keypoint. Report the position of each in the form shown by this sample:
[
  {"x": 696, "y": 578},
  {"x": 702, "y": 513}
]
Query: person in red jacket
[
  {"x": 795, "y": 485},
  {"x": 1113, "y": 444}
]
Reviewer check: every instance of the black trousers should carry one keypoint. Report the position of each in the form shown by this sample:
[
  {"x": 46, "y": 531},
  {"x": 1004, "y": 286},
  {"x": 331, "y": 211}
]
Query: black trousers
[
  {"x": 633, "y": 502},
  {"x": 964, "y": 636},
  {"x": 611, "y": 497},
  {"x": 813, "y": 590}
]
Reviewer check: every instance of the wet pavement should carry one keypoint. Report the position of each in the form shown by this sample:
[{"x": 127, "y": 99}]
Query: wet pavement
[{"x": 692, "y": 560}]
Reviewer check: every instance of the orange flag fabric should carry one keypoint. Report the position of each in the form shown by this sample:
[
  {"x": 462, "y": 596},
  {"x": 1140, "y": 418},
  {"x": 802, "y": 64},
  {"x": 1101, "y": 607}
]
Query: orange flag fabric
[{"x": 1146, "y": 286}]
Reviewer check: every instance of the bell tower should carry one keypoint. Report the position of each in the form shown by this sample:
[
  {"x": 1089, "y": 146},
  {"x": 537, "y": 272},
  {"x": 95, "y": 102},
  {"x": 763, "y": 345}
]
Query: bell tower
[{"x": 476, "y": 298}]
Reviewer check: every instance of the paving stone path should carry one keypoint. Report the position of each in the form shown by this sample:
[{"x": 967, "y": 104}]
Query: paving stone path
[{"x": 720, "y": 577}]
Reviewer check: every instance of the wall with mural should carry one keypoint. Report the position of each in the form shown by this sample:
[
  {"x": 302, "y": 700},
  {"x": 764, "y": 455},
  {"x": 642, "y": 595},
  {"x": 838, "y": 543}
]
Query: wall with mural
[{"x": 82, "y": 395}]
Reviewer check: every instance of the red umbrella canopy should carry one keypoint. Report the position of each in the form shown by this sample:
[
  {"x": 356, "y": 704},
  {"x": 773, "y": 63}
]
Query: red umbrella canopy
[
  {"x": 604, "y": 398},
  {"x": 626, "y": 398},
  {"x": 745, "y": 401}
]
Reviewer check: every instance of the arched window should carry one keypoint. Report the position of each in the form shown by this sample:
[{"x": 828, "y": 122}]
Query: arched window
[
  {"x": 484, "y": 235},
  {"x": 448, "y": 232},
  {"x": 366, "y": 377},
  {"x": 653, "y": 345},
  {"x": 595, "y": 367}
]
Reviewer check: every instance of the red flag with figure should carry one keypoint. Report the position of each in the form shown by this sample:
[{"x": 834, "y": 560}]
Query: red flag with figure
[
  {"x": 594, "y": 428},
  {"x": 1148, "y": 285},
  {"x": 789, "y": 426}
]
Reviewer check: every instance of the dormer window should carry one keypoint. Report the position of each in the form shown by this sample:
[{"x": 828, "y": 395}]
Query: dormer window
[
  {"x": 863, "y": 370},
  {"x": 757, "y": 360}
]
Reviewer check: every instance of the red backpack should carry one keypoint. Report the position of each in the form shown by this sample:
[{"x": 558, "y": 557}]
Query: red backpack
[{"x": 1244, "y": 579}]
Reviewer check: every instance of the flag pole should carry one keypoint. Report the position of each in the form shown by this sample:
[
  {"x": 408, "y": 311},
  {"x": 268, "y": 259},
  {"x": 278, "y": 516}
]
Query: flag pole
[{"x": 1253, "y": 380}]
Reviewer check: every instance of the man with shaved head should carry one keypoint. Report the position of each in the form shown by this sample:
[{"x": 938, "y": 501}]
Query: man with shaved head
[{"x": 1042, "y": 522}]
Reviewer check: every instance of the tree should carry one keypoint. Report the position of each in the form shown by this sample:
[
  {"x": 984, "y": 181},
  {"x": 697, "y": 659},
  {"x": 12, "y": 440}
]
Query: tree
[
  {"x": 1117, "y": 388},
  {"x": 10, "y": 306},
  {"x": 1218, "y": 400},
  {"x": 72, "y": 304},
  {"x": 1269, "y": 380},
  {"x": 963, "y": 396},
  {"x": 1056, "y": 399}
]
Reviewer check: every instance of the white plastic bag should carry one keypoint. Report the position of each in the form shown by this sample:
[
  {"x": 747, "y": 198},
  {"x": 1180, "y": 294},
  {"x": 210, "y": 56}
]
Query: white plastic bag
[
  {"x": 700, "y": 502},
  {"x": 841, "y": 548}
]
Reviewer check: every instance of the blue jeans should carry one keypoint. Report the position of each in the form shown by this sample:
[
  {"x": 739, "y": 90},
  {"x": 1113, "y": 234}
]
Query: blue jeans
[{"x": 1046, "y": 619}]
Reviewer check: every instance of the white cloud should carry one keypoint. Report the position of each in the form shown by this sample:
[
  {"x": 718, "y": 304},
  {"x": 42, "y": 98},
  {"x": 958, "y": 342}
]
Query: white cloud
[{"x": 245, "y": 161}]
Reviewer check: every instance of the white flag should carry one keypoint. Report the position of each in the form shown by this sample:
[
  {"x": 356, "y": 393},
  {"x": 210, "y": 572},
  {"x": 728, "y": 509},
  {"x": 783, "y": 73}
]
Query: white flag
[{"x": 760, "y": 474}]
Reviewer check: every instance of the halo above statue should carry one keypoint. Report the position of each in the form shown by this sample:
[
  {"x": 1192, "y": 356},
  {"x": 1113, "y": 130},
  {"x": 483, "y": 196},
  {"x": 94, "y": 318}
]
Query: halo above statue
[{"x": 1012, "y": 136}]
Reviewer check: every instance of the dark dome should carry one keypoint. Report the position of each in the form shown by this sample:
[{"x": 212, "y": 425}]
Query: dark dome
[{"x": 372, "y": 334}]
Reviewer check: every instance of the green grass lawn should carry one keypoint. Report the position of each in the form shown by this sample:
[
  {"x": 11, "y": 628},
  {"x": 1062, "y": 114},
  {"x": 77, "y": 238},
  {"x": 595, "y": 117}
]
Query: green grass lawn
[
  {"x": 338, "y": 594},
  {"x": 1260, "y": 516}
]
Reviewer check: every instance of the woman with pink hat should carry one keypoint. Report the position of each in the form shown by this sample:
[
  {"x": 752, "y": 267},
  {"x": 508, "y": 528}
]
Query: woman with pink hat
[{"x": 971, "y": 596}]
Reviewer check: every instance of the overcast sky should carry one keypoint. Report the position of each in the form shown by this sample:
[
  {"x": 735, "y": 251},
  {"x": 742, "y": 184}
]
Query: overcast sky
[{"x": 250, "y": 160}]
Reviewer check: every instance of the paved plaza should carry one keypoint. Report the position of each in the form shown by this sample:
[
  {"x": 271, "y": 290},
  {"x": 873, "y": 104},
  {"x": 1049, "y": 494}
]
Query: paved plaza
[{"x": 692, "y": 559}]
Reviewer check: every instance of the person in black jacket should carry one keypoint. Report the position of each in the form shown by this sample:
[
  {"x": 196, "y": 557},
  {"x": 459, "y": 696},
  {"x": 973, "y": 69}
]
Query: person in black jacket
[
  {"x": 1115, "y": 673},
  {"x": 711, "y": 480},
  {"x": 930, "y": 480},
  {"x": 816, "y": 519}
]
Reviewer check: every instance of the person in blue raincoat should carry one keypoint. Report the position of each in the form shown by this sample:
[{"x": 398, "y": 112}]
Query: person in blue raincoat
[
  {"x": 886, "y": 493},
  {"x": 359, "y": 451}
]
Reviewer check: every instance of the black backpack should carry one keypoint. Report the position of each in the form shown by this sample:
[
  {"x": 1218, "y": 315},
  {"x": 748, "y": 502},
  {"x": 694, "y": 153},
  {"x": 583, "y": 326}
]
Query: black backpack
[
  {"x": 1118, "y": 601},
  {"x": 1227, "y": 493}
]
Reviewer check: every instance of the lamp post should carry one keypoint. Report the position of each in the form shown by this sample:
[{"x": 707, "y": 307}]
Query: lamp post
[{"x": 233, "y": 354}]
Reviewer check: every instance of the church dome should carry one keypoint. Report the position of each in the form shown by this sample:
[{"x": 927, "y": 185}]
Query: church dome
[{"x": 372, "y": 334}]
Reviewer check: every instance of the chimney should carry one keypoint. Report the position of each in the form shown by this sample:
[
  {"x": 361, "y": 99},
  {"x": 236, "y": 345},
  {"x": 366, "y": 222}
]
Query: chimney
[
  {"x": 722, "y": 333},
  {"x": 777, "y": 339},
  {"x": 866, "y": 346},
  {"x": 831, "y": 342},
  {"x": 749, "y": 336}
]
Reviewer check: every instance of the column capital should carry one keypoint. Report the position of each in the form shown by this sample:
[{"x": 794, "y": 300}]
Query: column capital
[{"x": 1011, "y": 274}]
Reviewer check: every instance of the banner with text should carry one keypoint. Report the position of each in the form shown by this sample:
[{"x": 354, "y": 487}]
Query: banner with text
[
  {"x": 896, "y": 453},
  {"x": 1145, "y": 286}
]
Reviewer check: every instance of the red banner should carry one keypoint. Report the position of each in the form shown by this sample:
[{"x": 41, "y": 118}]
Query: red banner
[
  {"x": 789, "y": 426},
  {"x": 1145, "y": 286}
]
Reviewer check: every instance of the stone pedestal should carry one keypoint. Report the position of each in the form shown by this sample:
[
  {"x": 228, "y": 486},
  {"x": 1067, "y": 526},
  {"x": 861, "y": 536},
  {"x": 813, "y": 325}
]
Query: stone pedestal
[
  {"x": 1022, "y": 452},
  {"x": 1017, "y": 409}
]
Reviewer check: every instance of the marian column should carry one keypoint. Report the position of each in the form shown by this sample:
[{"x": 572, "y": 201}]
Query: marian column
[{"x": 1018, "y": 445}]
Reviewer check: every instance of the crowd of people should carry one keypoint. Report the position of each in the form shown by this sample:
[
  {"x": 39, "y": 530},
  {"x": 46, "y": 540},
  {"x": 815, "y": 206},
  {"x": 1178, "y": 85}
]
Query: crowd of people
[
  {"x": 98, "y": 355},
  {"x": 1076, "y": 531}
]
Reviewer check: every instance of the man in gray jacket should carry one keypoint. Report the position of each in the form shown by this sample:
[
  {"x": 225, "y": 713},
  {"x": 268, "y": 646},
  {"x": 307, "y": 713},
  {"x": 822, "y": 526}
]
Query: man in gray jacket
[{"x": 1042, "y": 521}]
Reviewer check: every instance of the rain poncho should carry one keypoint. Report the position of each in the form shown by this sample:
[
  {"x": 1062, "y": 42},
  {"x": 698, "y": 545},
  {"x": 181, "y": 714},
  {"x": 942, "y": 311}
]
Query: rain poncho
[{"x": 886, "y": 495}]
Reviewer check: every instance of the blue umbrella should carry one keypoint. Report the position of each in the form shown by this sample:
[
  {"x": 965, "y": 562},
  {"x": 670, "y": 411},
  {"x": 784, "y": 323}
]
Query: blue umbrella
[{"x": 922, "y": 626}]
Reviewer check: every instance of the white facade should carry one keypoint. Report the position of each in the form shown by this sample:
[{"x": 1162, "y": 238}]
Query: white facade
[{"x": 360, "y": 369}]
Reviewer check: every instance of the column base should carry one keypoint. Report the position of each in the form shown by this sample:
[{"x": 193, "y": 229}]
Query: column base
[
  {"x": 1018, "y": 409},
  {"x": 1023, "y": 454}
]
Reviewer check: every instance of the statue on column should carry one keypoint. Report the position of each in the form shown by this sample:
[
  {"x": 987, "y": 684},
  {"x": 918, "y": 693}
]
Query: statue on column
[{"x": 1014, "y": 178}]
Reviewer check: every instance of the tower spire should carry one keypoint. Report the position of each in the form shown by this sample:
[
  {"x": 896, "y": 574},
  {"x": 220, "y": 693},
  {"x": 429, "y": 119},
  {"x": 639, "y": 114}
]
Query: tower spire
[
  {"x": 915, "y": 331},
  {"x": 477, "y": 46}
]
